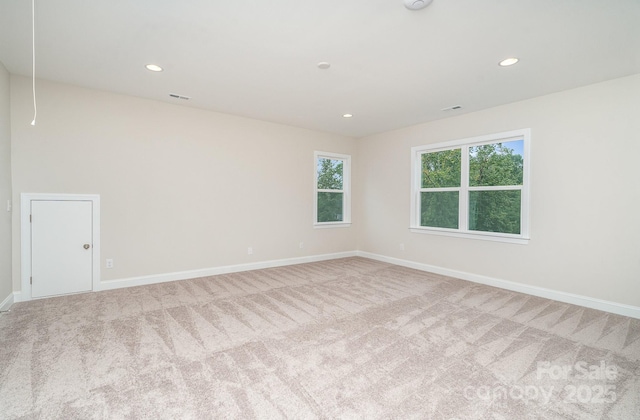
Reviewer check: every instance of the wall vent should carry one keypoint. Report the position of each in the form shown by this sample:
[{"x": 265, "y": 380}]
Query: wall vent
[{"x": 451, "y": 108}]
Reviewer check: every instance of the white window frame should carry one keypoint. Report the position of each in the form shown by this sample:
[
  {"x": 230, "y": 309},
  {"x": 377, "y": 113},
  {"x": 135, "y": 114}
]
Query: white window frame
[
  {"x": 346, "y": 190},
  {"x": 464, "y": 189}
]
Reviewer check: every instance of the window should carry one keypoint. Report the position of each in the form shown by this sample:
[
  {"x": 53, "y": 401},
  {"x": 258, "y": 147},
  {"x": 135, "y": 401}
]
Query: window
[
  {"x": 332, "y": 190},
  {"x": 474, "y": 188}
]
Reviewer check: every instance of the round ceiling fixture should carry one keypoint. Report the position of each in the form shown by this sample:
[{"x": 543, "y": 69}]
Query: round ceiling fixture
[
  {"x": 323, "y": 65},
  {"x": 416, "y": 4}
]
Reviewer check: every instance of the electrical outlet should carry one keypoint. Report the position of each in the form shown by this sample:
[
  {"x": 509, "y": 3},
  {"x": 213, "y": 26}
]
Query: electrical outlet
[
  {"x": 301, "y": 245},
  {"x": 109, "y": 263},
  {"x": 401, "y": 247},
  {"x": 249, "y": 251}
]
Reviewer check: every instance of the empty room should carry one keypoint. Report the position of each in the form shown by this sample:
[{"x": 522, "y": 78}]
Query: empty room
[{"x": 344, "y": 209}]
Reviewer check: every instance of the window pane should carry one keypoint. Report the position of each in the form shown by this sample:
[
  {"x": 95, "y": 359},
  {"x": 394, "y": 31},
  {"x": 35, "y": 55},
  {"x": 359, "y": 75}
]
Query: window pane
[
  {"x": 441, "y": 169},
  {"x": 496, "y": 164},
  {"x": 330, "y": 207},
  {"x": 330, "y": 174},
  {"x": 495, "y": 211},
  {"x": 439, "y": 209}
]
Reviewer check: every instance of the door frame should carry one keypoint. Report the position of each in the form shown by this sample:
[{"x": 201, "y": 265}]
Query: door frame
[{"x": 25, "y": 236}]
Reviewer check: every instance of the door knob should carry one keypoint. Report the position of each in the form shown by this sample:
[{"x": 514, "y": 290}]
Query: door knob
[{"x": 86, "y": 246}]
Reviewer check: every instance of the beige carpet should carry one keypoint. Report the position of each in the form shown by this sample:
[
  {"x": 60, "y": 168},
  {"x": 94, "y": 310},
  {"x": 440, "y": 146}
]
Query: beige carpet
[{"x": 349, "y": 339}]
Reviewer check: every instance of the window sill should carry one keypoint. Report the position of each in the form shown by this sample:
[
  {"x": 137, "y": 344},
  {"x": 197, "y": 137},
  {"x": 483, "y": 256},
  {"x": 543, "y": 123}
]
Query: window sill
[
  {"x": 326, "y": 225},
  {"x": 486, "y": 236}
]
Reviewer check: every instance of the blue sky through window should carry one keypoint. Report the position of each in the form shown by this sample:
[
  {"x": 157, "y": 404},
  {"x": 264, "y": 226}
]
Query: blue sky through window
[{"x": 517, "y": 146}]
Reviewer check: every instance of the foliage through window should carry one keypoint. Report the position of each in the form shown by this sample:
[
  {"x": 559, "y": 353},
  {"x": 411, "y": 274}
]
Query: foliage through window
[
  {"x": 332, "y": 192},
  {"x": 473, "y": 187}
]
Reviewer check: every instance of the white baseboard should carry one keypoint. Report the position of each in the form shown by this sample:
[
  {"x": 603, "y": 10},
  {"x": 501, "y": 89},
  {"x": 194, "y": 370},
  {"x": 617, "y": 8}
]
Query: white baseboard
[
  {"x": 10, "y": 300},
  {"x": 602, "y": 305},
  {"x": 192, "y": 274},
  {"x": 585, "y": 301}
]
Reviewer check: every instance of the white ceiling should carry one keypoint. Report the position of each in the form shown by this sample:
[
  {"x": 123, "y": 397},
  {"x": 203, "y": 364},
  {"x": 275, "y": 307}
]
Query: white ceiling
[{"x": 390, "y": 67}]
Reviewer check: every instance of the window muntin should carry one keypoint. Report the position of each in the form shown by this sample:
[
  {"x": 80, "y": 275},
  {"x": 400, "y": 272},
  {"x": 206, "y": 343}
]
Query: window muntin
[
  {"x": 473, "y": 188},
  {"x": 332, "y": 189}
]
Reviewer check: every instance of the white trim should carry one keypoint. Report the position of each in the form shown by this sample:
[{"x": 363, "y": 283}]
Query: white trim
[
  {"x": 574, "y": 299},
  {"x": 463, "y": 229},
  {"x": 504, "y": 137},
  {"x": 331, "y": 225},
  {"x": 10, "y": 300},
  {"x": 214, "y": 271},
  {"x": 486, "y": 236},
  {"x": 25, "y": 235},
  {"x": 585, "y": 301}
]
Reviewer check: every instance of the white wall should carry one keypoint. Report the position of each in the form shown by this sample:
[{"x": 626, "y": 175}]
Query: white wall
[
  {"x": 5, "y": 185},
  {"x": 585, "y": 223},
  {"x": 181, "y": 188},
  {"x": 185, "y": 189}
]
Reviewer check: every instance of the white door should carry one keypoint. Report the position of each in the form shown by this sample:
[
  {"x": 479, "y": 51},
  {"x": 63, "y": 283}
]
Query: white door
[{"x": 61, "y": 247}]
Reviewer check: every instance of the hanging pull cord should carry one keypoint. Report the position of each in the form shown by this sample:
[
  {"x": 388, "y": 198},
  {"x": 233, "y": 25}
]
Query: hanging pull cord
[{"x": 33, "y": 60}]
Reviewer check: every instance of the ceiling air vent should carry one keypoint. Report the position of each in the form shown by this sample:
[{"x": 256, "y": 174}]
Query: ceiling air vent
[{"x": 174, "y": 95}]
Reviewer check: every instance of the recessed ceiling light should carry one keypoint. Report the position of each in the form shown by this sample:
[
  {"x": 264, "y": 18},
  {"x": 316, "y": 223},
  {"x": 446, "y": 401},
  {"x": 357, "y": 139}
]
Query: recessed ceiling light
[
  {"x": 347, "y": 115},
  {"x": 323, "y": 65},
  {"x": 508, "y": 61},
  {"x": 153, "y": 67}
]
